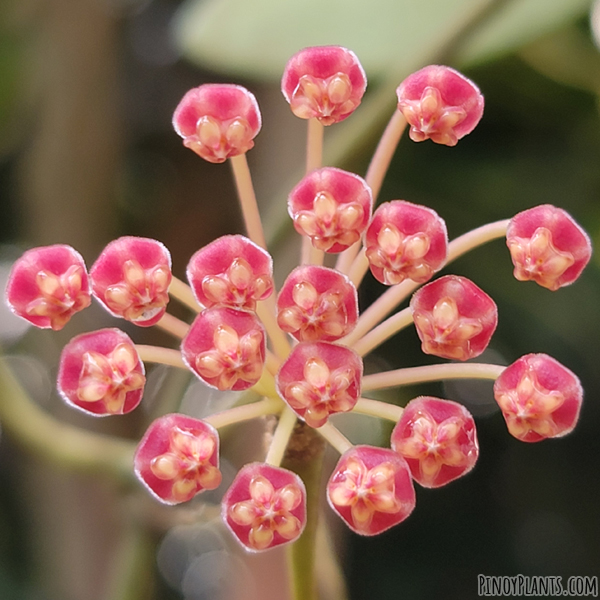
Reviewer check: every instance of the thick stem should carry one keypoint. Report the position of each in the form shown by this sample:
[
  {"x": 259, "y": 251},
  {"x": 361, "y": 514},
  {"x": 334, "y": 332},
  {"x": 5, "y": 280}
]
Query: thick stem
[
  {"x": 132, "y": 563},
  {"x": 301, "y": 554},
  {"x": 247, "y": 198},
  {"x": 183, "y": 292},
  {"x": 441, "y": 372},
  {"x": 304, "y": 456}
]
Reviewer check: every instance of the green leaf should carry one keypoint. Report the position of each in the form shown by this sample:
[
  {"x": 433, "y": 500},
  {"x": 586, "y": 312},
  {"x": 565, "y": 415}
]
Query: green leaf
[
  {"x": 255, "y": 38},
  {"x": 518, "y": 23}
]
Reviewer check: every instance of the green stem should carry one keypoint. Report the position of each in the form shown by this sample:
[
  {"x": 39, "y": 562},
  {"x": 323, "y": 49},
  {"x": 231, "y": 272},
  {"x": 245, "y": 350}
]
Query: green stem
[
  {"x": 131, "y": 564},
  {"x": 62, "y": 444},
  {"x": 307, "y": 463}
]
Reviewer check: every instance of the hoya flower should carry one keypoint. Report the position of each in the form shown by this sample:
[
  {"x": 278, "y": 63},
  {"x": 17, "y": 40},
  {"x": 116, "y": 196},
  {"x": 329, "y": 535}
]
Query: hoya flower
[
  {"x": 547, "y": 246},
  {"x": 317, "y": 303},
  {"x": 265, "y": 507},
  {"x": 101, "y": 373},
  {"x": 438, "y": 440},
  {"x": 332, "y": 207},
  {"x": 405, "y": 241},
  {"x": 439, "y": 104},
  {"x": 319, "y": 379},
  {"x": 218, "y": 121},
  {"x": 231, "y": 271},
  {"x": 298, "y": 354},
  {"x": 539, "y": 398},
  {"x": 225, "y": 348},
  {"x": 371, "y": 489},
  {"x": 177, "y": 458},
  {"x": 454, "y": 318},
  {"x": 324, "y": 82},
  {"x": 131, "y": 279},
  {"x": 48, "y": 285}
]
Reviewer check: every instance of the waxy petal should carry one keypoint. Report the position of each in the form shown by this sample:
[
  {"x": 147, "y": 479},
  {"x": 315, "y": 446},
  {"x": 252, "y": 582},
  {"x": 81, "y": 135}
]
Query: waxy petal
[
  {"x": 101, "y": 373},
  {"x": 438, "y": 440},
  {"x": 371, "y": 489},
  {"x": 265, "y": 507},
  {"x": 48, "y": 285},
  {"x": 539, "y": 398},
  {"x": 177, "y": 458}
]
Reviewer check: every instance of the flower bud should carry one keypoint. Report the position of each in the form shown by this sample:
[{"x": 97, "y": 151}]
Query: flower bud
[
  {"x": 439, "y": 104},
  {"x": 131, "y": 279},
  {"x": 265, "y": 507},
  {"x": 48, "y": 285},
  {"x": 317, "y": 303},
  {"x": 332, "y": 207},
  {"x": 547, "y": 246},
  {"x": 324, "y": 82},
  {"x": 438, "y": 440},
  {"x": 177, "y": 458},
  {"x": 225, "y": 348},
  {"x": 218, "y": 121},
  {"x": 231, "y": 271},
  {"x": 539, "y": 398},
  {"x": 101, "y": 373},
  {"x": 371, "y": 489},
  {"x": 405, "y": 241},
  {"x": 454, "y": 318},
  {"x": 318, "y": 379}
]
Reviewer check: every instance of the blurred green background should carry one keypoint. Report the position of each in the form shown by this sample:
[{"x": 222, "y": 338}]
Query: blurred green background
[{"x": 87, "y": 153}]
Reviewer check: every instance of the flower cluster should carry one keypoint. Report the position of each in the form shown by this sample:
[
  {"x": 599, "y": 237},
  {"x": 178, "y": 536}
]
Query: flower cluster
[{"x": 302, "y": 347}]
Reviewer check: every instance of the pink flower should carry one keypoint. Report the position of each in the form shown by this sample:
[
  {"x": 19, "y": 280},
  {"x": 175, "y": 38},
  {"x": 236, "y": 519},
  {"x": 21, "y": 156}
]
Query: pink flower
[
  {"x": 319, "y": 379},
  {"x": 332, "y": 207},
  {"x": 48, "y": 285},
  {"x": 265, "y": 507},
  {"x": 454, "y": 318},
  {"x": 547, "y": 246},
  {"x": 231, "y": 271},
  {"x": 371, "y": 489},
  {"x": 177, "y": 458},
  {"x": 317, "y": 303},
  {"x": 405, "y": 241},
  {"x": 101, "y": 373},
  {"x": 218, "y": 121},
  {"x": 225, "y": 348},
  {"x": 324, "y": 82},
  {"x": 539, "y": 398},
  {"x": 131, "y": 279},
  {"x": 439, "y": 104},
  {"x": 438, "y": 440}
]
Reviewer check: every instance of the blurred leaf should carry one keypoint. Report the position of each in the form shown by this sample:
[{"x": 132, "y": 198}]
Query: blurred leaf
[
  {"x": 257, "y": 38},
  {"x": 516, "y": 24},
  {"x": 568, "y": 56}
]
